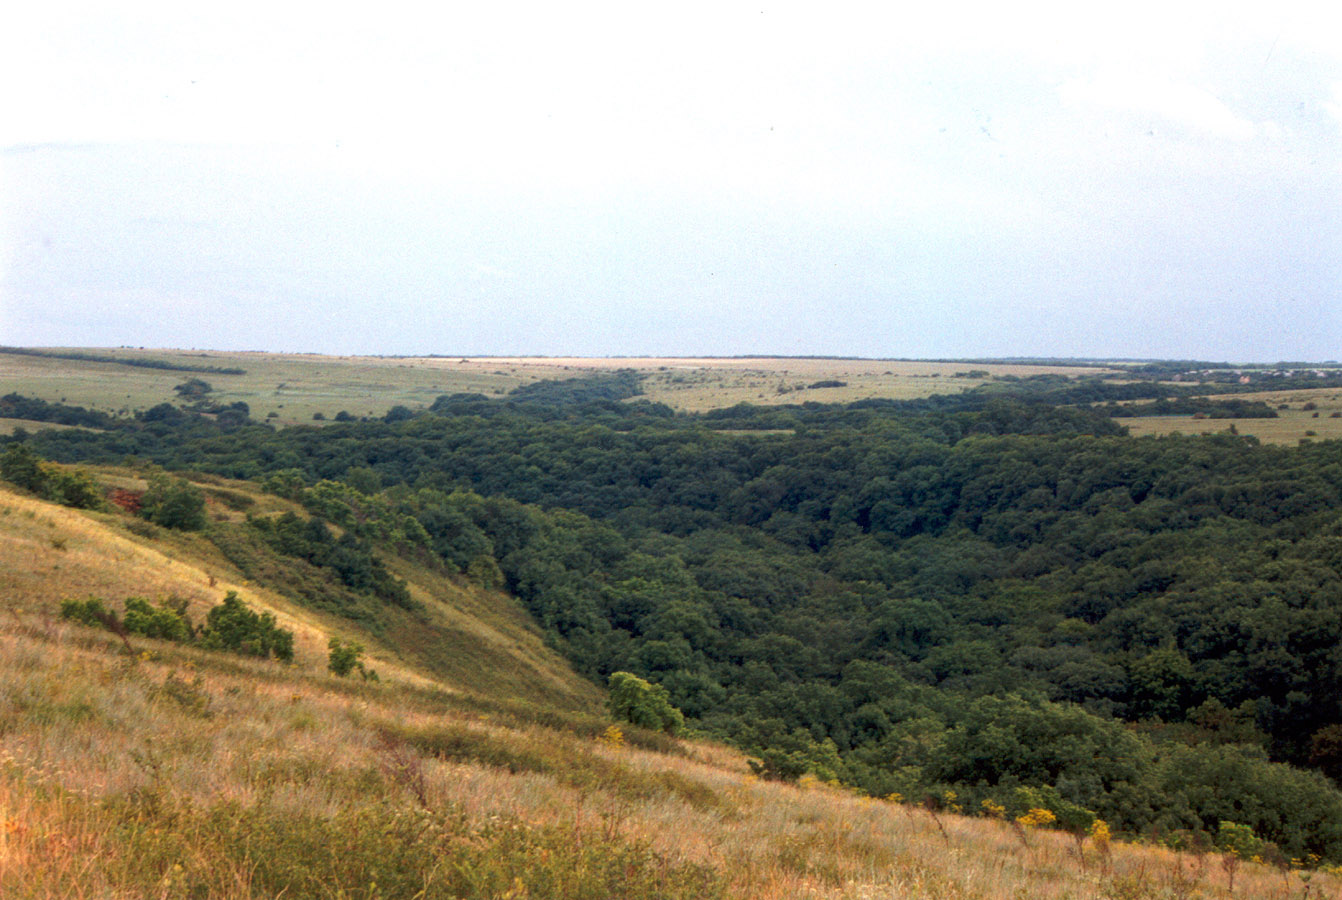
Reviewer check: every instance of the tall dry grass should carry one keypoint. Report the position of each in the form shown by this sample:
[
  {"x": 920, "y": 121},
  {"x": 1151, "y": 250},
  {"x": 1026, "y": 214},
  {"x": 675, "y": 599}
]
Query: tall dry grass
[{"x": 173, "y": 772}]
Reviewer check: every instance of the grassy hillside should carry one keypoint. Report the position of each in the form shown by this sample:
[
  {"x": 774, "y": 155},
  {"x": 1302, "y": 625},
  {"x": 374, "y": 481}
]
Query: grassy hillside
[
  {"x": 164, "y": 770},
  {"x": 177, "y": 773},
  {"x": 467, "y": 638}
]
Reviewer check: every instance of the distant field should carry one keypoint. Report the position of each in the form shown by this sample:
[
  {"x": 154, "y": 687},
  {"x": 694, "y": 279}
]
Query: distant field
[
  {"x": 695, "y": 385},
  {"x": 9, "y": 426},
  {"x": 290, "y": 389},
  {"x": 1291, "y": 426},
  {"x": 283, "y": 388}
]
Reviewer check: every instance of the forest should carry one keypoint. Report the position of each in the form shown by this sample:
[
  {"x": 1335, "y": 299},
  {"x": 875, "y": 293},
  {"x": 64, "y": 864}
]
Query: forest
[{"x": 989, "y": 599}]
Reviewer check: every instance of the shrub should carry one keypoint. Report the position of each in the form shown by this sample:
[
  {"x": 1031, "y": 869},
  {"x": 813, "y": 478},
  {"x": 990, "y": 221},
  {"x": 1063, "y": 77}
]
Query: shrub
[
  {"x": 19, "y": 465},
  {"x": 86, "y": 612},
  {"x": 167, "y": 621},
  {"x": 229, "y": 626},
  {"x": 68, "y": 487},
  {"x": 778, "y": 765},
  {"x": 173, "y": 503},
  {"x": 71, "y": 487},
  {"x": 344, "y": 658},
  {"x": 1231, "y": 837},
  {"x": 232, "y": 625},
  {"x": 646, "y": 705},
  {"x": 193, "y": 388}
]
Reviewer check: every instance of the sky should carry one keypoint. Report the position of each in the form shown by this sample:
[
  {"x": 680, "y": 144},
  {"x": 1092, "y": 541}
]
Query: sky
[{"x": 1135, "y": 180}]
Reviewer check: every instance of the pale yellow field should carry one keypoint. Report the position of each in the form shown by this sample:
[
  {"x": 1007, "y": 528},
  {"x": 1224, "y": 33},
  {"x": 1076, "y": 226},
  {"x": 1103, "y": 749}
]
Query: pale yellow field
[
  {"x": 1291, "y": 426},
  {"x": 289, "y": 389},
  {"x": 9, "y": 426},
  {"x": 698, "y": 385},
  {"x": 281, "y": 388}
]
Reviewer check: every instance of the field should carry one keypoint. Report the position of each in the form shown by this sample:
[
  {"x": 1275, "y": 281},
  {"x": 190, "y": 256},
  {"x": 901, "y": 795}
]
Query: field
[
  {"x": 1292, "y": 425},
  {"x": 280, "y": 388},
  {"x": 698, "y": 385},
  {"x": 288, "y": 389},
  {"x": 161, "y": 770}
]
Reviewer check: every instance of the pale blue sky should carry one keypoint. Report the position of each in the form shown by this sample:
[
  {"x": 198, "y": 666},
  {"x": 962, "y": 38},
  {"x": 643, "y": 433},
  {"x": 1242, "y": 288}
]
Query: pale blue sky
[{"x": 1147, "y": 180}]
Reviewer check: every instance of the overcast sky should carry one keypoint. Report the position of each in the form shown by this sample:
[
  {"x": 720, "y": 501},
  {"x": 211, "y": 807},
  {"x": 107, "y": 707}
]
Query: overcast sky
[{"x": 1119, "y": 180}]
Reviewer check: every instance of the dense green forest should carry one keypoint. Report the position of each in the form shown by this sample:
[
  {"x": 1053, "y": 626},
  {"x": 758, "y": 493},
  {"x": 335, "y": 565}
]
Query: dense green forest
[{"x": 991, "y": 595}]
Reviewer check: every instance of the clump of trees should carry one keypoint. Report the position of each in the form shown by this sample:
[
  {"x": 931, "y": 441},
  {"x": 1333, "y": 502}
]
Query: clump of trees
[
  {"x": 193, "y": 389},
  {"x": 68, "y": 486},
  {"x": 173, "y": 503},
  {"x": 634, "y": 700},
  {"x": 232, "y": 625},
  {"x": 168, "y": 501}
]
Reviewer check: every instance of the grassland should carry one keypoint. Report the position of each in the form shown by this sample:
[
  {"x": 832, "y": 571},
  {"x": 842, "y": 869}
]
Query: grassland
[
  {"x": 282, "y": 388},
  {"x": 698, "y": 385},
  {"x": 1293, "y": 424},
  {"x": 9, "y": 426},
  {"x": 289, "y": 389},
  {"x": 162, "y": 770}
]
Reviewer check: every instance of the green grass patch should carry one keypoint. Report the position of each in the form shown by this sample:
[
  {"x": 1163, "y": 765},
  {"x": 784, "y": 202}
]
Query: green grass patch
[
  {"x": 379, "y": 850},
  {"x": 567, "y": 761}
]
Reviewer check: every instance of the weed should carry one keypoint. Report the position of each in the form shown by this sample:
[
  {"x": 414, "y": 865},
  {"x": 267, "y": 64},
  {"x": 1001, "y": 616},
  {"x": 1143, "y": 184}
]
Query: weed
[{"x": 190, "y": 696}]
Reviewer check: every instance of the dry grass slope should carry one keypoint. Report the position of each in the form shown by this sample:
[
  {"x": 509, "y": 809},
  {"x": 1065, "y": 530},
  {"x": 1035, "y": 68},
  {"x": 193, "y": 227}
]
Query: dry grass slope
[
  {"x": 175, "y": 773},
  {"x": 469, "y": 640}
]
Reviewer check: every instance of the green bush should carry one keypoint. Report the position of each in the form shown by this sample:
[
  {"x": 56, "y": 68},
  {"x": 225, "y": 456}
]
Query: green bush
[
  {"x": 646, "y": 705},
  {"x": 345, "y": 657},
  {"x": 173, "y": 503},
  {"x": 232, "y": 625},
  {"x": 229, "y": 626},
  {"x": 85, "y": 612},
  {"x": 1240, "y": 840},
  {"x": 68, "y": 487},
  {"x": 19, "y": 465},
  {"x": 71, "y": 487},
  {"x": 167, "y": 621}
]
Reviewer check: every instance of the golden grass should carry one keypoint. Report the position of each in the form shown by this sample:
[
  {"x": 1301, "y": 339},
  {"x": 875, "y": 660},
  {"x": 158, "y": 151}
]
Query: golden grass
[{"x": 89, "y": 729}]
